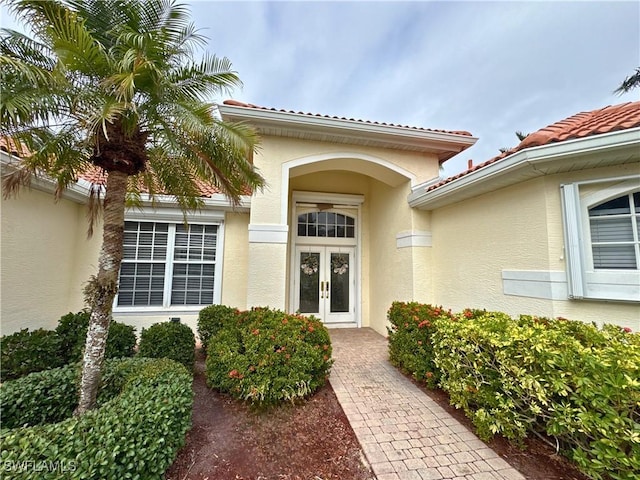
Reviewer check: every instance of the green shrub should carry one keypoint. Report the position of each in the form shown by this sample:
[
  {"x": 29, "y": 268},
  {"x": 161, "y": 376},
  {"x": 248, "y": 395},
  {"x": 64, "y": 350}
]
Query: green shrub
[
  {"x": 121, "y": 340},
  {"x": 410, "y": 345},
  {"x": 72, "y": 329},
  {"x": 135, "y": 434},
  {"x": 211, "y": 319},
  {"x": 563, "y": 378},
  {"x": 267, "y": 356},
  {"x": 25, "y": 352},
  {"x": 41, "y": 397},
  {"x": 169, "y": 340}
]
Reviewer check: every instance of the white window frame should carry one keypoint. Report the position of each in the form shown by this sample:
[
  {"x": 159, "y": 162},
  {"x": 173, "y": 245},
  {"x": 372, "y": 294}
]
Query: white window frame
[
  {"x": 173, "y": 217},
  {"x": 584, "y": 281}
]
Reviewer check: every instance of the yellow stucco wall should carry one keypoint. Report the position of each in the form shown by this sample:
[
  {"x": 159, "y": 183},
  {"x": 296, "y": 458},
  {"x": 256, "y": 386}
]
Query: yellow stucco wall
[
  {"x": 474, "y": 240},
  {"x": 514, "y": 228},
  {"x": 46, "y": 258},
  {"x": 236, "y": 260}
]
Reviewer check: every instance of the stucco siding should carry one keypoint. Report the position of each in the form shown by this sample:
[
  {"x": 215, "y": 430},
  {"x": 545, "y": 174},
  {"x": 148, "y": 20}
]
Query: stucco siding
[
  {"x": 45, "y": 257},
  {"x": 391, "y": 269},
  {"x": 516, "y": 229},
  {"x": 236, "y": 260},
  {"x": 475, "y": 240}
]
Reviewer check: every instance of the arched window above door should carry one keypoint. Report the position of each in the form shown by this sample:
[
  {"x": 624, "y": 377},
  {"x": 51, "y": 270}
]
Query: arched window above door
[{"x": 326, "y": 224}]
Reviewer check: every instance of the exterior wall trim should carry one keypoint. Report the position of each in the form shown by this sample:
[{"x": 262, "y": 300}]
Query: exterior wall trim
[
  {"x": 550, "y": 285},
  {"x": 528, "y": 160},
  {"x": 413, "y": 238},
  {"x": 268, "y": 233}
]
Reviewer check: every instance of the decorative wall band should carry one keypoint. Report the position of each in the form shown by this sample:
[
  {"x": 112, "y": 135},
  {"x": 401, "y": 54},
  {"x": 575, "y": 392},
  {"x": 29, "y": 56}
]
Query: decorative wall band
[
  {"x": 551, "y": 285},
  {"x": 414, "y": 238},
  {"x": 269, "y": 233}
]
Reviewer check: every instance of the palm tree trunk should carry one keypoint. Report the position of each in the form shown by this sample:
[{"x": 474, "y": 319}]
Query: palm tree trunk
[{"x": 102, "y": 290}]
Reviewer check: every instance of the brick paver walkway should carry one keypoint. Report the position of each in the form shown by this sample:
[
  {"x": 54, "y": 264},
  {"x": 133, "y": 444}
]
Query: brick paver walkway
[{"x": 403, "y": 432}]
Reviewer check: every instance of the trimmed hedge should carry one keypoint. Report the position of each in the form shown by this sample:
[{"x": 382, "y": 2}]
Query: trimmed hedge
[
  {"x": 25, "y": 352},
  {"x": 41, "y": 397},
  {"x": 562, "y": 378},
  {"x": 267, "y": 356},
  {"x": 172, "y": 340},
  {"x": 410, "y": 343},
  {"x": 135, "y": 433},
  {"x": 211, "y": 319},
  {"x": 72, "y": 329}
]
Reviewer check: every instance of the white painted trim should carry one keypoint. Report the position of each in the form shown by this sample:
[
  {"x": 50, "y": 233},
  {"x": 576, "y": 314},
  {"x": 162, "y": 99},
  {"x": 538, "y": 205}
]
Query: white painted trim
[
  {"x": 338, "y": 199},
  {"x": 395, "y": 135},
  {"x": 413, "y": 238},
  {"x": 163, "y": 214},
  {"x": 573, "y": 241},
  {"x": 583, "y": 281},
  {"x": 268, "y": 233},
  {"x": 551, "y": 285},
  {"x": 530, "y": 158},
  {"x": 341, "y": 200}
]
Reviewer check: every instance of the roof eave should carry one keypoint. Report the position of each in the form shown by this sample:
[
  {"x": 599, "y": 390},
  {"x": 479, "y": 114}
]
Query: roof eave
[
  {"x": 522, "y": 165},
  {"x": 444, "y": 144}
]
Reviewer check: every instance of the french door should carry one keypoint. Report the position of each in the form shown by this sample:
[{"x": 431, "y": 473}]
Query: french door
[{"x": 325, "y": 282}]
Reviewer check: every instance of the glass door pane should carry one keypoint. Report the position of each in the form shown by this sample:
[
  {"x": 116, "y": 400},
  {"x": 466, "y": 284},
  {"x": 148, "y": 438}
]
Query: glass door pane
[
  {"x": 340, "y": 265},
  {"x": 309, "y": 282}
]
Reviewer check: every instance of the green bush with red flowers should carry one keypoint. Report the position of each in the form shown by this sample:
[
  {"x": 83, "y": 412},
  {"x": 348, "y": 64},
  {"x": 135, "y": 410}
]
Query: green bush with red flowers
[
  {"x": 410, "y": 342},
  {"x": 567, "y": 380},
  {"x": 266, "y": 357}
]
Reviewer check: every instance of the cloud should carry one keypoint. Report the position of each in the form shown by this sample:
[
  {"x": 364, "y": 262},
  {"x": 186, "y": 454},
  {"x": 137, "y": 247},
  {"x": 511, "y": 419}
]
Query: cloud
[{"x": 487, "y": 67}]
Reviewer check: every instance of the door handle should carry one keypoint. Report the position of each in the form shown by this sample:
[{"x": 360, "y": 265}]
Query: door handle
[
  {"x": 321, "y": 289},
  {"x": 327, "y": 290}
]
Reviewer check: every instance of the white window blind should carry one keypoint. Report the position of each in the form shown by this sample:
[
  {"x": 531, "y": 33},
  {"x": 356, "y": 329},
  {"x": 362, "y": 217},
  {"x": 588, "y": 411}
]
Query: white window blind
[
  {"x": 167, "y": 264},
  {"x": 614, "y": 227}
]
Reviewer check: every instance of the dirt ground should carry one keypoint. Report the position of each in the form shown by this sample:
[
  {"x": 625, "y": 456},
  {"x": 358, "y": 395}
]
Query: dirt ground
[
  {"x": 311, "y": 441},
  {"x": 230, "y": 441}
]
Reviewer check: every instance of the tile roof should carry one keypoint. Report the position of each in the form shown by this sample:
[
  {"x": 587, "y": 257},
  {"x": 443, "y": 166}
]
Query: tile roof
[
  {"x": 98, "y": 176},
  {"x": 236, "y": 103},
  {"x": 585, "y": 124},
  {"x": 9, "y": 146}
]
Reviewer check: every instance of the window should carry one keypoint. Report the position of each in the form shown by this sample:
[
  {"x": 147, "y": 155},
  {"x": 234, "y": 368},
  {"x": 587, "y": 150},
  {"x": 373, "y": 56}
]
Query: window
[
  {"x": 615, "y": 232},
  {"x": 166, "y": 264},
  {"x": 602, "y": 239},
  {"x": 326, "y": 224}
]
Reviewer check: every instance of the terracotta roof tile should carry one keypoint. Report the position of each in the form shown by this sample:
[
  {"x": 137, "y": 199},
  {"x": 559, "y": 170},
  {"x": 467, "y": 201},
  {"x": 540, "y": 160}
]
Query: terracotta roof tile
[
  {"x": 585, "y": 124},
  {"x": 9, "y": 146},
  {"x": 98, "y": 176},
  {"x": 236, "y": 103}
]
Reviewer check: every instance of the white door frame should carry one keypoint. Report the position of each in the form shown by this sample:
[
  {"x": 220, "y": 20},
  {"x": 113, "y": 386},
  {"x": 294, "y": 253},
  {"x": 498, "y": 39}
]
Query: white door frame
[
  {"x": 324, "y": 271},
  {"x": 339, "y": 201}
]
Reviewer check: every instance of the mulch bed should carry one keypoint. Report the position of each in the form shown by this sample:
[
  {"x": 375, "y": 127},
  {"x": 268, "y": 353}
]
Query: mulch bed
[
  {"x": 310, "y": 441},
  {"x": 229, "y": 440}
]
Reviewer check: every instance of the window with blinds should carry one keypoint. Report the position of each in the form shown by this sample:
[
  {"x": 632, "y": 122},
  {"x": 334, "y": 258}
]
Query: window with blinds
[
  {"x": 167, "y": 264},
  {"x": 615, "y": 233}
]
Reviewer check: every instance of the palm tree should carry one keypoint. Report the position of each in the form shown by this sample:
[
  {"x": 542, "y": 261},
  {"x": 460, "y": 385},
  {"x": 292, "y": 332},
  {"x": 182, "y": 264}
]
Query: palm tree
[
  {"x": 629, "y": 83},
  {"x": 114, "y": 86}
]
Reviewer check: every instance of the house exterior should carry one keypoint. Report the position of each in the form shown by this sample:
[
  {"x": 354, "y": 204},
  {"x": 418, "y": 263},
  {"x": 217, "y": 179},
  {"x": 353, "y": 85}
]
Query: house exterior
[{"x": 354, "y": 217}]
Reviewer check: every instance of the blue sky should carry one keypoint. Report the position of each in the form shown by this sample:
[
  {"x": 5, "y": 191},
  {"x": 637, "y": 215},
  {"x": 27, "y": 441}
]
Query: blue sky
[{"x": 487, "y": 67}]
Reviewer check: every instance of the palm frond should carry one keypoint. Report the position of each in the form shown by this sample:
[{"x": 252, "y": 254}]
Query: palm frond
[{"x": 629, "y": 83}]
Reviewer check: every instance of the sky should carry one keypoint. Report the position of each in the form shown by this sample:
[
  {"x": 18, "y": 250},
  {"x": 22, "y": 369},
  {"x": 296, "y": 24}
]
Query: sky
[{"x": 489, "y": 68}]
